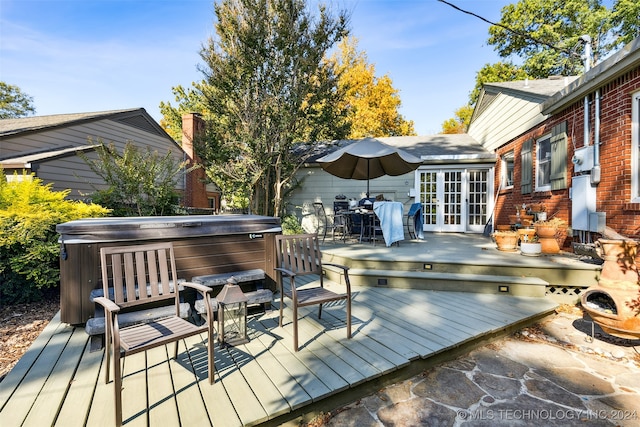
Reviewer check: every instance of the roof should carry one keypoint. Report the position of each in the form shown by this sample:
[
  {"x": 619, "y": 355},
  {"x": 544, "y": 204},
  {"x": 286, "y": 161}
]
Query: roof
[
  {"x": 542, "y": 87},
  {"x": 617, "y": 64},
  {"x": 25, "y": 160},
  {"x": 537, "y": 90},
  {"x": 430, "y": 148},
  {"x": 137, "y": 117}
]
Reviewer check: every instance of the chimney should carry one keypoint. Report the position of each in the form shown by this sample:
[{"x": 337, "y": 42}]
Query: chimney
[{"x": 195, "y": 192}]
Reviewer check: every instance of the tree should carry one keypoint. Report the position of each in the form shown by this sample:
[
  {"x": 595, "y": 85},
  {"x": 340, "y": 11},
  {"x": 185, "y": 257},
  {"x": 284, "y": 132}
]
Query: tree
[
  {"x": 546, "y": 34},
  {"x": 189, "y": 101},
  {"x": 268, "y": 88},
  {"x": 626, "y": 21},
  {"x": 14, "y": 103},
  {"x": 460, "y": 123},
  {"x": 371, "y": 102},
  {"x": 139, "y": 183},
  {"x": 498, "y": 72}
]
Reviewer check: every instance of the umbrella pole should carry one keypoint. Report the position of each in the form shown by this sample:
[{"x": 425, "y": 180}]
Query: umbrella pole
[{"x": 368, "y": 161}]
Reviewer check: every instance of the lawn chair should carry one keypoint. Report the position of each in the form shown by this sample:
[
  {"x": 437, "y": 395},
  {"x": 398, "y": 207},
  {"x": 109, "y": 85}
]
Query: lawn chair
[
  {"x": 133, "y": 278},
  {"x": 299, "y": 259}
]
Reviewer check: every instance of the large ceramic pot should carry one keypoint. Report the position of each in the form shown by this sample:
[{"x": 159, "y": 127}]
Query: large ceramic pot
[
  {"x": 506, "y": 241},
  {"x": 619, "y": 267},
  {"x": 547, "y": 238},
  {"x": 613, "y": 310},
  {"x": 614, "y": 303}
]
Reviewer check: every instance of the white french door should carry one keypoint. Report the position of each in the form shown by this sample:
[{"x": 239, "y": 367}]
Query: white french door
[{"x": 454, "y": 200}]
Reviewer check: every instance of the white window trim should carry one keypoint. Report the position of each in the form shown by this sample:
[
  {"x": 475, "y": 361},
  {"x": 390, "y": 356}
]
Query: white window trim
[
  {"x": 537, "y": 159},
  {"x": 635, "y": 147},
  {"x": 505, "y": 157}
]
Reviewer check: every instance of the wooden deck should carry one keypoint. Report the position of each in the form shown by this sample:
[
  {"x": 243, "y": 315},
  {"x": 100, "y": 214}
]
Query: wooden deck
[{"x": 396, "y": 331}]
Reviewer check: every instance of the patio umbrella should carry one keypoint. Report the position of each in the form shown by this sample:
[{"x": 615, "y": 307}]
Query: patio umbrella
[{"x": 367, "y": 159}]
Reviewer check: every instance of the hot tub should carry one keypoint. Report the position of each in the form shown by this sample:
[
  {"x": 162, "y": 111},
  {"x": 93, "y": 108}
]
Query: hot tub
[{"x": 204, "y": 244}]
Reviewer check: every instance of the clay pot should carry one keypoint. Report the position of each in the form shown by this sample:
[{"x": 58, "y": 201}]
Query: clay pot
[
  {"x": 617, "y": 316},
  {"x": 530, "y": 234},
  {"x": 619, "y": 268},
  {"x": 506, "y": 241},
  {"x": 503, "y": 227},
  {"x": 547, "y": 238},
  {"x": 614, "y": 303}
]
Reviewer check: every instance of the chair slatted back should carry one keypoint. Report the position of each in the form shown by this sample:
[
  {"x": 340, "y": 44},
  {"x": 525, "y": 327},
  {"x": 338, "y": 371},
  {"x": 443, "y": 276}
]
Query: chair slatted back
[
  {"x": 299, "y": 253},
  {"x": 139, "y": 274}
]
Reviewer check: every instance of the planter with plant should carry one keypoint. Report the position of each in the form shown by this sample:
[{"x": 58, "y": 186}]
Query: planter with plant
[
  {"x": 552, "y": 234},
  {"x": 530, "y": 246},
  {"x": 506, "y": 241}
]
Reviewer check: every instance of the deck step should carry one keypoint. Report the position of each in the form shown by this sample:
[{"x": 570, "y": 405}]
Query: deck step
[{"x": 444, "y": 281}]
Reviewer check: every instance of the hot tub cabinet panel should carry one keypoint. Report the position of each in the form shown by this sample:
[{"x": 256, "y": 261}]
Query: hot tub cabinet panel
[{"x": 207, "y": 244}]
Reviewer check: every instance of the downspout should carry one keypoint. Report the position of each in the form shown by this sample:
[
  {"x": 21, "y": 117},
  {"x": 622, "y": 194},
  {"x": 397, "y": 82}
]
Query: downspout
[
  {"x": 587, "y": 66},
  {"x": 595, "y": 172}
]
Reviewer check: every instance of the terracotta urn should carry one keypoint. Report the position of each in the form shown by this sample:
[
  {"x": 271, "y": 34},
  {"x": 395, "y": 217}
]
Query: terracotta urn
[
  {"x": 506, "y": 241},
  {"x": 619, "y": 267},
  {"x": 547, "y": 238},
  {"x": 614, "y": 303}
]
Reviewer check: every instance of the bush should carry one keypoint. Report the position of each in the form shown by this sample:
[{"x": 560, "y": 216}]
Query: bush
[
  {"x": 29, "y": 251},
  {"x": 290, "y": 225}
]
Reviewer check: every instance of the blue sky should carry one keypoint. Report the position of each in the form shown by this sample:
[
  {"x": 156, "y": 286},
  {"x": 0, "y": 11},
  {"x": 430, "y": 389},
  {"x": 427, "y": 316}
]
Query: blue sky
[{"x": 84, "y": 55}]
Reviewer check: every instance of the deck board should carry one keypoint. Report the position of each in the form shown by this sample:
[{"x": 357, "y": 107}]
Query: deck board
[
  {"x": 55, "y": 388},
  {"x": 260, "y": 380},
  {"x": 75, "y": 408},
  {"x": 163, "y": 409}
]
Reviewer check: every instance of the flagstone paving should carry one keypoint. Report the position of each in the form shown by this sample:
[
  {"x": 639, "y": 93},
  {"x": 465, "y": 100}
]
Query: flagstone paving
[{"x": 552, "y": 374}]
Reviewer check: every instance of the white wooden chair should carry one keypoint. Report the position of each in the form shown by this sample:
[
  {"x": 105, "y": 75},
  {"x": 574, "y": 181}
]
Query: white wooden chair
[{"x": 136, "y": 277}]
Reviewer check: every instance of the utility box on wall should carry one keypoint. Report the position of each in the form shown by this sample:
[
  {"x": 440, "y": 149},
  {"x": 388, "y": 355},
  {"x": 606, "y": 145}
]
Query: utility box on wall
[
  {"x": 583, "y": 159},
  {"x": 583, "y": 202}
]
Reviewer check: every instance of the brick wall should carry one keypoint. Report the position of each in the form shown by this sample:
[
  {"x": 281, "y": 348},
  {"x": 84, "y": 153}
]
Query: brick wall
[
  {"x": 195, "y": 195},
  {"x": 614, "y": 190}
]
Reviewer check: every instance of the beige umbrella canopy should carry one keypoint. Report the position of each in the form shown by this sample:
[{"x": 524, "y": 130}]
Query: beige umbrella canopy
[{"x": 367, "y": 159}]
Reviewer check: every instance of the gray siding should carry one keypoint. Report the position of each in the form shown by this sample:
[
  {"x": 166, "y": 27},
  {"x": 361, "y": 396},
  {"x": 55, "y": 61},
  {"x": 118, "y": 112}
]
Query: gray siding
[
  {"x": 70, "y": 172},
  {"x": 492, "y": 130},
  {"x": 318, "y": 185}
]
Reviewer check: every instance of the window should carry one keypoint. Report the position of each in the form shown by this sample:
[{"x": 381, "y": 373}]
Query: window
[
  {"x": 543, "y": 163},
  {"x": 635, "y": 148},
  {"x": 507, "y": 169}
]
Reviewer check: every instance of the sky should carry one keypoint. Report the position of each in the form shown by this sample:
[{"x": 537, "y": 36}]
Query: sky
[{"x": 76, "y": 56}]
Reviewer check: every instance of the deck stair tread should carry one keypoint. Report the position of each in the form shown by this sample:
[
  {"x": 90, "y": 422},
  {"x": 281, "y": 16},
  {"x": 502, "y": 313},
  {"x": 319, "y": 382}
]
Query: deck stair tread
[{"x": 436, "y": 275}]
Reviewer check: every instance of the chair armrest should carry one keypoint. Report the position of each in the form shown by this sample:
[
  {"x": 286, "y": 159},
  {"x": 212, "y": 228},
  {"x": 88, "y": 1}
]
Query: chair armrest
[
  {"x": 344, "y": 267},
  {"x": 197, "y": 286},
  {"x": 285, "y": 271},
  {"x": 108, "y": 305}
]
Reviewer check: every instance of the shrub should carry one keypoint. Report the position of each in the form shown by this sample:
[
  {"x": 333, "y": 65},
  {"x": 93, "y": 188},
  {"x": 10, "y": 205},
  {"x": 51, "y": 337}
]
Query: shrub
[
  {"x": 29, "y": 213},
  {"x": 140, "y": 182},
  {"x": 290, "y": 225}
]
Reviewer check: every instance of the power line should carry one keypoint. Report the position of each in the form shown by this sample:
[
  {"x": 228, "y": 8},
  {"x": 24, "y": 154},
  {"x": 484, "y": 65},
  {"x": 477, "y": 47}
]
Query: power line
[{"x": 511, "y": 30}]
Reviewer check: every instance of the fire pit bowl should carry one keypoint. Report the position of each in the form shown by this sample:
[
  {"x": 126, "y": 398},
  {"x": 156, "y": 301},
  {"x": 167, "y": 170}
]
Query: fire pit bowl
[{"x": 610, "y": 309}]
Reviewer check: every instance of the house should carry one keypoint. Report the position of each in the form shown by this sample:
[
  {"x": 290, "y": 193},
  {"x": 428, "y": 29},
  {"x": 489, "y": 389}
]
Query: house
[
  {"x": 453, "y": 184},
  {"x": 48, "y": 147},
  {"x": 569, "y": 143},
  {"x": 577, "y": 150}
]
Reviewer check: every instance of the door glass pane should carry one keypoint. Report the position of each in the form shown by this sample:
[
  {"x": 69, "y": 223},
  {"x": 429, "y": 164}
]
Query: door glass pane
[
  {"x": 452, "y": 198},
  {"x": 428, "y": 197},
  {"x": 478, "y": 197}
]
